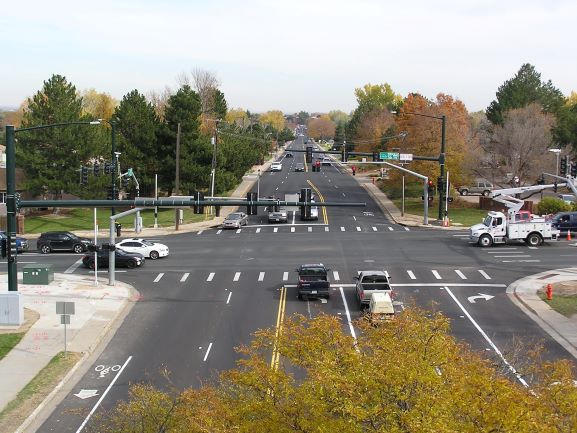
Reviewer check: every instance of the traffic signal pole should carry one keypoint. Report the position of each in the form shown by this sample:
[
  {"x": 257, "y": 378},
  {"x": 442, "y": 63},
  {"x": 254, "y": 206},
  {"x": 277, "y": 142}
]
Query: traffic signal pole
[
  {"x": 11, "y": 208},
  {"x": 442, "y": 162}
]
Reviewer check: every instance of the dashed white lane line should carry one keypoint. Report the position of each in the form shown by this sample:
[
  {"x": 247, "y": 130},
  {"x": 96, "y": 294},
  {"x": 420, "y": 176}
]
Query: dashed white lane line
[
  {"x": 358, "y": 229},
  {"x": 236, "y": 276},
  {"x": 390, "y": 228},
  {"x": 484, "y": 274},
  {"x": 411, "y": 275},
  {"x": 261, "y": 276},
  {"x": 342, "y": 229},
  {"x": 285, "y": 276},
  {"x": 210, "y": 276},
  {"x": 199, "y": 232},
  {"x": 207, "y": 352},
  {"x": 533, "y": 248},
  {"x": 511, "y": 256},
  {"x": 219, "y": 232},
  {"x": 158, "y": 277},
  {"x": 407, "y": 229},
  {"x": 374, "y": 229},
  {"x": 238, "y": 231},
  {"x": 460, "y": 274},
  {"x": 275, "y": 230},
  {"x": 258, "y": 230},
  {"x": 354, "y": 217},
  {"x": 228, "y": 299},
  {"x": 500, "y": 250},
  {"x": 348, "y": 314},
  {"x": 310, "y": 229},
  {"x": 336, "y": 276},
  {"x": 436, "y": 274},
  {"x": 73, "y": 266},
  {"x": 326, "y": 228},
  {"x": 184, "y": 277},
  {"x": 292, "y": 229}
]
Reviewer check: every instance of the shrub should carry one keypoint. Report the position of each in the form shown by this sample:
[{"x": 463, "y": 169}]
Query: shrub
[{"x": 551, "y": 205}]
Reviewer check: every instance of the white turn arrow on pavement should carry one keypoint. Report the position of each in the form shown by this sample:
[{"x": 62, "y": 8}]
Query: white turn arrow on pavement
[
  {"x": 471, "y": 299},
  {"x": 87, "y": 393}
]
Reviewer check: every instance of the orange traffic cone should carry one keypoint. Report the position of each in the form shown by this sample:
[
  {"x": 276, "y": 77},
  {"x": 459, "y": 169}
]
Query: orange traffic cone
[{"x": 568, "y": 235}]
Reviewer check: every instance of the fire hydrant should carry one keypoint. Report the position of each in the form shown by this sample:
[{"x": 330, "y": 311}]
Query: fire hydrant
[{"x": 549, "y": 292}]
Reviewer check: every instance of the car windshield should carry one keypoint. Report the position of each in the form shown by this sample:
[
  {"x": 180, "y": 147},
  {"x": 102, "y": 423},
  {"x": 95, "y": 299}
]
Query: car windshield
[
  {"x": 234, "y": 216},
  {"x": 313, "y": 272},
  {"x": 487, "y": 221},
  {"x": 147, "y": 243},
  {"x": 374, "y": 279}
]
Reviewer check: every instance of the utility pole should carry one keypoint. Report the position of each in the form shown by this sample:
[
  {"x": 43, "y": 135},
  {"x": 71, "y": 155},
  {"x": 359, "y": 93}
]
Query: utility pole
[
  {"x": 213, "y": 164},
  {"x": 442, "y": 163},
  {"x": 177, "y": 180}
]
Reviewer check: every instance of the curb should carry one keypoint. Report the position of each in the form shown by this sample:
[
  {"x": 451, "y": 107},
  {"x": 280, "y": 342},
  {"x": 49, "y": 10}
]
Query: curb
[{"x": 52, "y": 399}]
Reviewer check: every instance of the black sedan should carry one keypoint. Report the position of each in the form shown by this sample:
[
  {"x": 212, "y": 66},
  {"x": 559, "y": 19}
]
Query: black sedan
[{"x": 121, "y": 259}]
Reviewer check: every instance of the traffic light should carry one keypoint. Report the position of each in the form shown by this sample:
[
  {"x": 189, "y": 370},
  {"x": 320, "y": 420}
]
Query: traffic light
[
  {"x": 573, "y": 171},
  {"x": 84, "y": 176},
  {"x": 198, "y": 207},
  {"x": 96, "y": 169},
  {"x": 440, "y": 185},
  {"x": 111, "y": 192},
  {"x": 306, "y": 197},
  {"x": 541, "y": 180},
  {"x": 4, "y": 247},
  {"x": 309, "y": 154},
  {"x": 376, "y": 156},
  {"x": 555, "y": 187},
  {"x": 563, "y": 166},
  {"x": 251, "y": 209},
  {"x": 430, "y": 188}
]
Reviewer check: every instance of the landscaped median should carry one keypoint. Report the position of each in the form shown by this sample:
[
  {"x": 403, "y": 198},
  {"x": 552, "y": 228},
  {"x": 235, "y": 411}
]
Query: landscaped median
[{"x": 564, "y": 299}]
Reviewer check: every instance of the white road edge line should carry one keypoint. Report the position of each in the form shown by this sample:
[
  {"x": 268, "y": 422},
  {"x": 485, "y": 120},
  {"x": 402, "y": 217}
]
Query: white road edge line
[
  {"x": 486, "y": 337},
  {"x": 228, "y": 299},
  {"x": 103, "y": 395},
  {"x": 158, "y": 277},
  {"x": 354, "y": 335},
  {"x": 207, "y": 352},
  {"x": 73, "y": 266}
]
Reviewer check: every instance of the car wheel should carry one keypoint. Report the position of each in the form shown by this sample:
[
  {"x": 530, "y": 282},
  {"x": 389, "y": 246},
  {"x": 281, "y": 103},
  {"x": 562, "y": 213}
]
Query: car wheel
[
  {"x": 485, "y": 241},
  {"x": 486, "y": 193},
  {"x": 534, "y": 239},
  {"x": 78, "y": 248},
  {"x": 131, "y": 264},
  {"x": 91, "y": 264},
  {"x": 464, "y": 192},
  {"x": 300, "y": 297},
  {"x": 45, "y": 249},
  {"x": 154, "y": 255}
]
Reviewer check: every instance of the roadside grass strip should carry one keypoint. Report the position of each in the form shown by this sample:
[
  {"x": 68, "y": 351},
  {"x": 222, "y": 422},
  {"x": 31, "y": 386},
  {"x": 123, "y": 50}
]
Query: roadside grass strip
[{"x": 8, "y": 341}]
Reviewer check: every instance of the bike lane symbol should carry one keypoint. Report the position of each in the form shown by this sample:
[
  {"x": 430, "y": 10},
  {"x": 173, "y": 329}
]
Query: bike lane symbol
[{"x": 105, "y": 369}]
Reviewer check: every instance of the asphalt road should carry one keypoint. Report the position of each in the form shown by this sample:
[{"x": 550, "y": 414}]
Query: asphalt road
[{"x": 218, "y": 287}]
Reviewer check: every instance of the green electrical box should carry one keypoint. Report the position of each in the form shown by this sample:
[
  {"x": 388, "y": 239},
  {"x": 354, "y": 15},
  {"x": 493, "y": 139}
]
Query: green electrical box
[{"x": 38, "y": 274}]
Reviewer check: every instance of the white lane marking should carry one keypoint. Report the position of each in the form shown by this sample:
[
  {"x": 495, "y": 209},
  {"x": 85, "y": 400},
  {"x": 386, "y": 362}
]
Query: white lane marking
[
  {"x": 426, "y": 285},
  {"x": 486, "y": 337},
  {"x": 310, "y": 229},
  {"x": 237, "y": 231},
  {"x": 390, "y": 228},
  {"x": 219, "y": 232},
  {"x": 236, "y": 276},
  {"x": 228, "y": 299},
  {"x": 533, "y": 248},
  {"x": 207, "y": 352},
  {"x": 358, "y": 229},
  {"x": 210, "y": 276},
  {"x": 292, "y": 229},
  {"x": 374, "y": 229},
  {"x": 436, "y": 274},
  {"x": 184, "y": 277},
  {"x": 407, "y": 229},
  {"x": 348, "y": 315},
  {"x": 520, "y": 261},
  {"x": 199, "y": 232},
  {"x": 343, "y": 194},
  {"x": 103, "y": 395},
  {"x": 275, "y": 230},
  {"x": 484, "y": 274},
  {"x": 158, "y": 277},
  {"x": 342, "y": 229},
  {"x": 258, "y": 230},
  {"x": 261, "y": 276},
  {"x": 285, "y": 276},
  {"x": 461, "y": 236},
  {"x": 336, "y": 275},
  {"x": 72, "y": 267},
  {"x": 500, "y": 250},
  {"x": 511, "y": 256},
  {"x": 326, "y": 228},
  {"x": 460, "y": 274},
  {"x": 411, "y": 275},
  {"x": 294, "y": 216},
  {"x": 354, "y": 217}
]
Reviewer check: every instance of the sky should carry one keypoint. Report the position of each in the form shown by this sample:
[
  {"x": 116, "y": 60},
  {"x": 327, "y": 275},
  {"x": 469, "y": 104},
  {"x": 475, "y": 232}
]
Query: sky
[{"x": 287, "y": 55}]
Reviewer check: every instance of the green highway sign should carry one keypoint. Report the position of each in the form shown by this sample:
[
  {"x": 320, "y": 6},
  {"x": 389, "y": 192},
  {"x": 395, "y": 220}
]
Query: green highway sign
[{"x": 388, "y": 155}]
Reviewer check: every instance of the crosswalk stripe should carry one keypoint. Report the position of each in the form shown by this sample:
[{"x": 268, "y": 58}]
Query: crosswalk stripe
[
  {"x": 411, "y": 275},
  {"x": 158, "y": 277},
  {"x": 374, "y": 229},
  {"x": 236, "y": 276},
  {"x": 407, "y": 229},
  {"x": 261, "y": 276},
  {"x": 326, "y": 228},
  {"x": 184, "y": 277},
  {"x": 219, "y": 232},
  {"x": 310, "y": 229},
  {"x": 484, "y": 274},
  {"x": 436, "y": 274},
  {"x": 258, "y": 230},
  {"x": 199, "y": 232},
  {"x": 210, "y": 276},
  {"x": 336, "y": 275},
  {"x": 285, "y": 276},
  {"x": 390, "y": 228},
  {"x": 292, "y": 229},
  {"x": 275, "y": 229},
  {"x": 460, "y": 274},
  {"x": 358, "y": 229},
  {"x": 342, "y": 229}
]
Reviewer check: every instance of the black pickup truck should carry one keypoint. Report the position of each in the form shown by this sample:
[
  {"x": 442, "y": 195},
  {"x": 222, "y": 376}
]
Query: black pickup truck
[{"x": 313, "y": 281}]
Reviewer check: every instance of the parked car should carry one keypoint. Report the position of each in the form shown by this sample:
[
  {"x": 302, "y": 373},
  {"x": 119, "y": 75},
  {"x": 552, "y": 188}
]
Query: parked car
[
  {"x": 276, "y": 166},
  {"x": 152, "y": 250},
  {"x": 61, "y": 241},
  {"x": 480, "y": 186},
  {"x": 121, "y": 259},
  {"x": 235, "y": 220},
  {"x": 280, "y": 216},
  {"x": 299, "y": 166},
  {"x": 313, "y": 281},
  {"x": 565, "y": 221},
  {"x": 21, "y": 243}
]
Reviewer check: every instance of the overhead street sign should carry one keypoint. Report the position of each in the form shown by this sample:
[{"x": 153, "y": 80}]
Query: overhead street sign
[
  {"x": 388, "y": 155},
  {"x": 406, "y": 156}
]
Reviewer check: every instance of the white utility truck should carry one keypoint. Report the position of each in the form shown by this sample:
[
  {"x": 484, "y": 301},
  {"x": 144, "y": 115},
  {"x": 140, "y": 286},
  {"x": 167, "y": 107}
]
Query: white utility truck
[
  {"x": 381, "y": 307},
  {"x": 514, "y": 225}
]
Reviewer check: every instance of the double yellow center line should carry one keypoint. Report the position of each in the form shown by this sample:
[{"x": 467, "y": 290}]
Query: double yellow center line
[
  {"x": 274, "y": 363},
  {"x": 322, "y": 199}
]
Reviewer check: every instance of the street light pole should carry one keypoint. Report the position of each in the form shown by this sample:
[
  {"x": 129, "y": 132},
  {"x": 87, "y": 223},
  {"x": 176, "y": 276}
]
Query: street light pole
[
  {"x": 442, "y": 162},
  {"x": 113, "y": 163}
]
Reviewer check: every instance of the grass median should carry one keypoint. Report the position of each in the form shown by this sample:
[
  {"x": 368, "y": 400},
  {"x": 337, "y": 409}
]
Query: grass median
[{"x": 8, "y": 341}]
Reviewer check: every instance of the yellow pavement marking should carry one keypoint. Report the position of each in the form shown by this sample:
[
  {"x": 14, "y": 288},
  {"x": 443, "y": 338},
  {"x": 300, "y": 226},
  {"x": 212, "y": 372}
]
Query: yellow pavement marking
[
  {"x": 274, "y": 363},
  {"x": 322, "y": 199}
]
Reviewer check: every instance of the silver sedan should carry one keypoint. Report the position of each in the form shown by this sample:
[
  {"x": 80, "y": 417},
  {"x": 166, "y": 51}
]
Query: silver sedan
[{"x": 235, "y": 220}]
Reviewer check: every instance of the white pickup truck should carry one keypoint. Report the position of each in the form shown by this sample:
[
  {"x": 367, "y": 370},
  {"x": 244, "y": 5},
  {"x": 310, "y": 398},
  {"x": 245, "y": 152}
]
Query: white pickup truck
[
  {"x": 369, "y": 282},
  {"x": 498, "y": 228}
]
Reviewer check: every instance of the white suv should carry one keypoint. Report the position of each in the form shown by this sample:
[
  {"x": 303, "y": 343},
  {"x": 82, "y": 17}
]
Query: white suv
[{"x": 276, "y": 166}]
